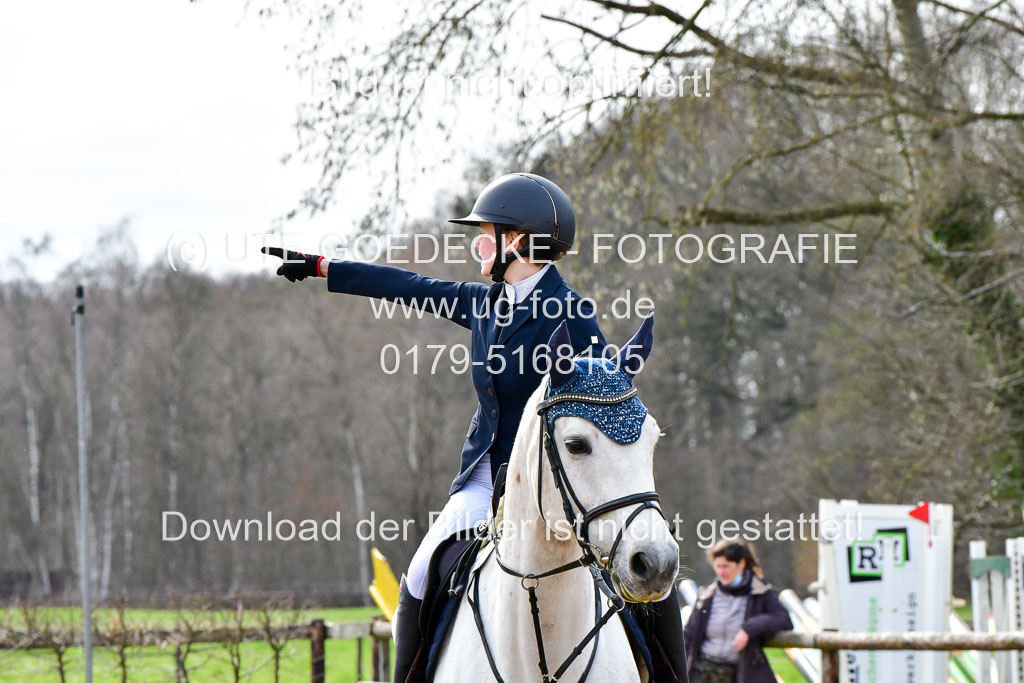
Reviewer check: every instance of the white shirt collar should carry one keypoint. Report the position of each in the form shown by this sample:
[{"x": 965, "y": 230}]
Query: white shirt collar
[{"x": 518, "y": 291}]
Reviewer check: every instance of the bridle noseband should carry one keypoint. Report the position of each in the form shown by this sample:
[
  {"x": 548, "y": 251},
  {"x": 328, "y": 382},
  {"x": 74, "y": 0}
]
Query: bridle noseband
[{"x": 596, "y": 562}]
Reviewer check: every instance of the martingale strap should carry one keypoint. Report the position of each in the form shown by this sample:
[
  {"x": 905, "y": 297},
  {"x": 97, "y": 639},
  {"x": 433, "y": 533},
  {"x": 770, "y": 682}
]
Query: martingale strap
[{"x": 615, "y": 605}]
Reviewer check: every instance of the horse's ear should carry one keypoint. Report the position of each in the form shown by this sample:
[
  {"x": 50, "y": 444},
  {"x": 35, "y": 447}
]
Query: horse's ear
[
  {"x": 633, "y": 355},
  {"x": 559, "y": 350}
]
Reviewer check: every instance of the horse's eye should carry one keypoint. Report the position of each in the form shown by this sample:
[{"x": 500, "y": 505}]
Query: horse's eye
[{"x": 577, "y": 446}]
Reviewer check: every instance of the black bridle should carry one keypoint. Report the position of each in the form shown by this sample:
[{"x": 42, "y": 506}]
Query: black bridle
[
  {"x": 596, "y": 562},
  {"x": 581, "y": 521}
]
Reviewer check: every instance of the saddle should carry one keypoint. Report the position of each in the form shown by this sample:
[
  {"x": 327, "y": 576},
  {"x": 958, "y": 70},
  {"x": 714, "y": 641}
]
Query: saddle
[{"x": 447, "y": 576}]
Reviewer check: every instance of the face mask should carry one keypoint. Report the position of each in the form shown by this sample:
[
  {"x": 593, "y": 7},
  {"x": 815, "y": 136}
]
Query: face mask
[{"x": 737, "y": 581}]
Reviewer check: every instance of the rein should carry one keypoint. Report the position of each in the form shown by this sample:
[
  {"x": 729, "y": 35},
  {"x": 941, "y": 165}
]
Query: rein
[{"x": 596, "y": 562}]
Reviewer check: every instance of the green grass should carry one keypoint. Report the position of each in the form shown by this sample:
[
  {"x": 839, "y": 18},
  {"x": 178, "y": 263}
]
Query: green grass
[
  {"x": 965, "y": 613},
  {"x": 783, "y": 667},
  {"x": 205, "y": 662}
]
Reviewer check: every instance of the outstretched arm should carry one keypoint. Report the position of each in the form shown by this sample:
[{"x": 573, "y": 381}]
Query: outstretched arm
[{"x": 450, "y": 299}]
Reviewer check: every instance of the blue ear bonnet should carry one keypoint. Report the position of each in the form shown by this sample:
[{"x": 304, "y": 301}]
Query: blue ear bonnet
[{"x": 620, "y": 422}]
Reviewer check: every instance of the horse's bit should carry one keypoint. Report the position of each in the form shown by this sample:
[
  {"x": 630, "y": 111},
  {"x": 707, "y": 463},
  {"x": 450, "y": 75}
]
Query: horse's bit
[{"x": 597, "y": 563}]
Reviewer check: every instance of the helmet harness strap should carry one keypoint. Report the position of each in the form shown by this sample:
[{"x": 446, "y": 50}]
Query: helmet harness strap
[{"x": 503, "y": 259}]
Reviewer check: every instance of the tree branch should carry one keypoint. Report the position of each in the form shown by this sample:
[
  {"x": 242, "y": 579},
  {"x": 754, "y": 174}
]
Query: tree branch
[
  {"x": 694, "y": 215},
  {"x": 628, "y": 48},
  {"x": 740, "y": 164},
  {"x": 982, "y": 15},
  {"x": 988, "y": 286},
  {"x": 741, "y": 59}
]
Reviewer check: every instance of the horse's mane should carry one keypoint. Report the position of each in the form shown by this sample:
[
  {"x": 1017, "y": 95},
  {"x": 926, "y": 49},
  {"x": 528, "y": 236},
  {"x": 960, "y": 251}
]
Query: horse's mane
[{"x": 527, "y": 438}]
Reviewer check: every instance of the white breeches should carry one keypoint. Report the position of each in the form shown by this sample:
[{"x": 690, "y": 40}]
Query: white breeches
[{"x": 466, "y": 507}]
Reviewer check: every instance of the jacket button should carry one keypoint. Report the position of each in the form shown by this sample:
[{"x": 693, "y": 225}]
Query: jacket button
[{"x": 494, "y": 413}]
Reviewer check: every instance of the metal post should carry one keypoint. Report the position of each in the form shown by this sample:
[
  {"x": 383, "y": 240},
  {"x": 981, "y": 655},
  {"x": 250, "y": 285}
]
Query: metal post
[
  {"x": 84, "y": 564},
  {"x": 317, "y": 633}
]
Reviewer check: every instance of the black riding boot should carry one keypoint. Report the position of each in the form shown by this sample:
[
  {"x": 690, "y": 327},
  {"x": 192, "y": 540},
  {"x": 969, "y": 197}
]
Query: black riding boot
[
  {"x": 663, "y": 623},
  {"x": 407, "y": 632}
]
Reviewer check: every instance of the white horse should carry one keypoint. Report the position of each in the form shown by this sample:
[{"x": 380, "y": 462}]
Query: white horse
[{"x": 615, "y": 483}]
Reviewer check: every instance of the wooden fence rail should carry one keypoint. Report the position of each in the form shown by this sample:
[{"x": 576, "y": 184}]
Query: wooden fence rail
[
  {"x": 831, "y": 642},
  {"x": 919, "y": 640},
  {"x": 379, "y": 631}
]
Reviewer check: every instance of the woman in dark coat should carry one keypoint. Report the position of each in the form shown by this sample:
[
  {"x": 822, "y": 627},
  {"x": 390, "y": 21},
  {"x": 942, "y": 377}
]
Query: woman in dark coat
[{"x": 732, "y": 619}]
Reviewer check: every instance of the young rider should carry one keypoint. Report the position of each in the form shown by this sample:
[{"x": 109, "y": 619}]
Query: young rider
[{"x": 526, "y": 223}]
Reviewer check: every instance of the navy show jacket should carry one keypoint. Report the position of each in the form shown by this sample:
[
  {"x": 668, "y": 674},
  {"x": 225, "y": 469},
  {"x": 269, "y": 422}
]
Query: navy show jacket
[{"x": 502, "y": 391}]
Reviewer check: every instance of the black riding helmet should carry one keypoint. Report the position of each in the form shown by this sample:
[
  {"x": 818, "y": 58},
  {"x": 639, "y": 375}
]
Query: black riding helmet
[{"x": 529, "y": 203}]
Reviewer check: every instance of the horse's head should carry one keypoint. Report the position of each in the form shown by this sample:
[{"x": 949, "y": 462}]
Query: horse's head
[{"x": 597, "y": 446}]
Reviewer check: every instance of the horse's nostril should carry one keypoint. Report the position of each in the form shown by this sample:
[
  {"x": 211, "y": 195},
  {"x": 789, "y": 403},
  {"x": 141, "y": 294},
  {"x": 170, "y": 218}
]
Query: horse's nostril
[{"x": 640, "y": 565}]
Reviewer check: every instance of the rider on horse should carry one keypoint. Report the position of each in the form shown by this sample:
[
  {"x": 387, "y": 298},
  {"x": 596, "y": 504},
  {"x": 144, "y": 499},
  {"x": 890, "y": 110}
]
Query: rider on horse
[{"x": 526, "y": 223}]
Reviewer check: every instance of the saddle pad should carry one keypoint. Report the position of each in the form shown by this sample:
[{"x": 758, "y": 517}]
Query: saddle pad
[
  {"x": 449, "y": 597},
  {"x": 438, "y": 608}
]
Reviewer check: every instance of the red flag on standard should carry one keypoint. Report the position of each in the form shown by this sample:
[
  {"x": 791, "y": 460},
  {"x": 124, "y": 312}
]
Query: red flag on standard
[{"x": 921, "y": 512}]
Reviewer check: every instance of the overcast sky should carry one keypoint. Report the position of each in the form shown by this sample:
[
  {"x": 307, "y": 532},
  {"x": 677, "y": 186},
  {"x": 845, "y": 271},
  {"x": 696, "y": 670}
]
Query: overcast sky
[
  {"x": 173, "y": 114},
  {"x": 176, "y": 115}
]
